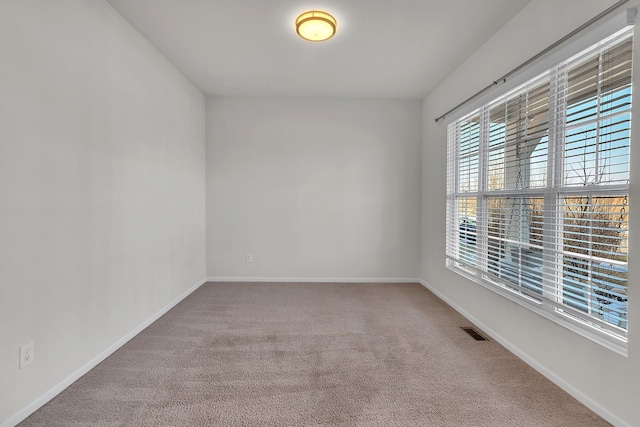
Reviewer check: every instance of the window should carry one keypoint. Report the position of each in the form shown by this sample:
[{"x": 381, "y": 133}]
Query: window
[{"x": 538, "y": 192}]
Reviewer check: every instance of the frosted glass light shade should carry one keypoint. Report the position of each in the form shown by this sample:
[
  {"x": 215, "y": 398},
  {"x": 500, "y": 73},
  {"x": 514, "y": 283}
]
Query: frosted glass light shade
[{"x": 316, "y": 26}]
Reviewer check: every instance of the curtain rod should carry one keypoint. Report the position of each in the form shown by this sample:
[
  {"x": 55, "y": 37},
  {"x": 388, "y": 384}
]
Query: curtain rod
[{"x": 504, "y": 78}]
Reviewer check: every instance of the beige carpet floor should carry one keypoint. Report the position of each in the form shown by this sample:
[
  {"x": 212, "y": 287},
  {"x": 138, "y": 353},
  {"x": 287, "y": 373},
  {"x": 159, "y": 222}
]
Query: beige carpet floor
[{"x": 295, "y": 354}]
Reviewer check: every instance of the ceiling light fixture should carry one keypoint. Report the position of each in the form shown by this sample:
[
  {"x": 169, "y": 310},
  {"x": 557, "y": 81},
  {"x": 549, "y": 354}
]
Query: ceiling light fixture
[{"x": 316, "y": 26}]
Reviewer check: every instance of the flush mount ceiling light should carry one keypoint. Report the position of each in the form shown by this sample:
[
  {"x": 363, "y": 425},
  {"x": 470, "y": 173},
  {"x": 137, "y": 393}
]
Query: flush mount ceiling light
[{"x": 316, "y": 26}]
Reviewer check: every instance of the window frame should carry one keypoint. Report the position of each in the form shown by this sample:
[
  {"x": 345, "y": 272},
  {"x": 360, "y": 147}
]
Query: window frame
[{"x": 551, "y": 303}]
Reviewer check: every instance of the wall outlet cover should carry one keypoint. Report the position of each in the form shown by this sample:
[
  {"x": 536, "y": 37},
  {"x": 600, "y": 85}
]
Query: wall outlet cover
[{"x": 27, "y": 354}]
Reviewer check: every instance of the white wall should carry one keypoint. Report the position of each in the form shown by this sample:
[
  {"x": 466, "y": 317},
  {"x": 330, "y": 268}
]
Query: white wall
[
  {"x": 608, "y": 382},
  {"x": 313, "y": 187},
  {"x": 102, "y": 146}
]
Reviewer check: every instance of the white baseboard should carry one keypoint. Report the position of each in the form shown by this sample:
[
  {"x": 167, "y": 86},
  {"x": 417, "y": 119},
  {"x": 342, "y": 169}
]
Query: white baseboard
[
  {"x": 42, "y": 400},
  {"x": 577, "y": 394},
  {"x": 314, "y": 279}
]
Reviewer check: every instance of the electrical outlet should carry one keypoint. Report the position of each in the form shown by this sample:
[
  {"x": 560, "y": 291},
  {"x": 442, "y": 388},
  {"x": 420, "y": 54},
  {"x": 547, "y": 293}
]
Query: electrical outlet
[
  {"x": 248, "y": 257},
  {"x": 27, "y": 354}
]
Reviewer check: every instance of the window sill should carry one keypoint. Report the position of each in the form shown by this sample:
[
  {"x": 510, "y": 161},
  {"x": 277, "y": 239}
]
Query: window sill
[{"x": 610, "y": 341}]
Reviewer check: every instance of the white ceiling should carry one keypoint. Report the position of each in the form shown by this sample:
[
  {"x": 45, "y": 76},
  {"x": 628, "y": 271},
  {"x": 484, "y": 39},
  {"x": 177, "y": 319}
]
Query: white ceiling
[{"x": 382, "y": 49}]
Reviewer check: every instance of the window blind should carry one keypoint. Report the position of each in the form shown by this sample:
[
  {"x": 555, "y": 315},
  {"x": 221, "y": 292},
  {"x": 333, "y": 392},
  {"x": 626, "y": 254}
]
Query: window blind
[{"x": 538, "y": 190}]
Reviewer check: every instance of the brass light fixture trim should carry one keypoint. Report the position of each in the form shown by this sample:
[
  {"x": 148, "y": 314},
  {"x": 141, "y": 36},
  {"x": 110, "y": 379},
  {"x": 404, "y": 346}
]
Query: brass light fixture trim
[{"x": 316, "y": 26}]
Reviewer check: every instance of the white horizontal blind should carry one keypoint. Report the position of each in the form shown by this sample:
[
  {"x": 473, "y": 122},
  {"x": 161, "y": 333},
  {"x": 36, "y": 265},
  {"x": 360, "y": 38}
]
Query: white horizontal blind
[{"x": 538, "y": 189}]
